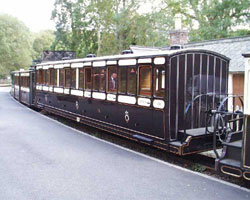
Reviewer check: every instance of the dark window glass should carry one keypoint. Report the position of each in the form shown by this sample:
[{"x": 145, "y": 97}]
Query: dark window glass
[
  {"x": 131, "y": 80},
  {"x": 122, "y": 79},
  {"x": 88, "y": 78},
  {"x": 67, "y": 77},
  {"x": 73, "y": 78},
  {"x": 112, "y": 79},
  {"x": 145, "y": 81},
  {"x": 99, "y": 79},
  {"x": 81, "y": 78},
  {"x": 159, "y": 82},
  {"x": 61, "y": 77}
]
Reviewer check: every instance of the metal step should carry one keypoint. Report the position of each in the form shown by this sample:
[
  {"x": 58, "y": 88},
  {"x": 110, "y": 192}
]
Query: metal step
[
  {"x": 235, "y": 136},
  {"x": 230, "y": 162},
  {"x": 236, "y": 144},
  {"x": 194, "y": 132},
  {"x": 230, "y": 167}
]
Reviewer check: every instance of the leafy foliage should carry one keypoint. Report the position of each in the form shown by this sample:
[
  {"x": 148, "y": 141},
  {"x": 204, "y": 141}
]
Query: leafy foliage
[
  {"x": 15, "y": 48},
  {"x": 42, "y": 41},
  {"x": 210, "y": 19},
  {"x": 106, "y": 26}
]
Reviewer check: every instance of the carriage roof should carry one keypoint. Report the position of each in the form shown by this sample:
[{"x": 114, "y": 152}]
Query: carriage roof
[{"x": 159, "y": 53}]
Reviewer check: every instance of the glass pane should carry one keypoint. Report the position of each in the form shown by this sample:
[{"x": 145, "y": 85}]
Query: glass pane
[
  {"x": 73, "y": 80},
  {"x": 122, "y": 79},
  {"x": 55, "y": 77},
  {"x": 37, "y": 77},
  {"x": 67, "y": 76},
  {"x": 96, "y": 79},
  {"x": 99, "y": 79},
  {"x": 41, "y": 76},
  {"x": 145, "y": 81},
  {"x": 88, "y": 78},
  {"x": 159, "y": 82},
  {"x": 51, "y": 76},
  {"x": 44, "y": 77},
  {"x": 132, "y": 80},
  {"x": 112, "y": 81},
  {"x": 102, "y": 80},
  {"x": 81, "y": 76},
  {"x": 61, "y": 77},
  {"x": 47, "y": 77}
]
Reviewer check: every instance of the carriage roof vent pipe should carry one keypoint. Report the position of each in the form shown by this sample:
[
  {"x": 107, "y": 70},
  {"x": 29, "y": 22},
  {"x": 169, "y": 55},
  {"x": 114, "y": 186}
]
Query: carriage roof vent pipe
[
  {"x": 128, "y": 51},
  {"x": 91, "y": 56},
  {"x": 175, "y": 47}
]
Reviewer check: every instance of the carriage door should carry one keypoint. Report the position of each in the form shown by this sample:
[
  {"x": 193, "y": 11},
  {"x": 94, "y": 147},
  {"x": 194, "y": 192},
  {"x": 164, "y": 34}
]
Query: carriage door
[{"x": 152, "y": 118}]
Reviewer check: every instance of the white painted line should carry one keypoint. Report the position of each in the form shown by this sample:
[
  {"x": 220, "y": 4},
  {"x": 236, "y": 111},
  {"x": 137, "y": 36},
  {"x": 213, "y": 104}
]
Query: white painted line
[{"x": 137, "y": 153}]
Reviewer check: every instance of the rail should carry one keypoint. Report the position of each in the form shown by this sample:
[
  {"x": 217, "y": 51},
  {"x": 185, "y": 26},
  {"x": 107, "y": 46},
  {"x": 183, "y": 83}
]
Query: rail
[
  {"x": 222, "y": 124},
  {"x": 209, "y": 112}
]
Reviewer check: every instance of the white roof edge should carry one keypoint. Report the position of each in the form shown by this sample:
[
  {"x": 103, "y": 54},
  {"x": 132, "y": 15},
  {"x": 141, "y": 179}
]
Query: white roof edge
[{"x": 116, "y": 57}]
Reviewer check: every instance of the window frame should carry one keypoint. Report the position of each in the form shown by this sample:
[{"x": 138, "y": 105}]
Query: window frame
[
  {"x": 108, "y": 77},
  {"x": 51, "y": 76},
  {"x": 163, "y": 68},
  {"x": 101, "y": 80},
  {"x": 145, "y": 93},
  {"x": 80, "y": 83},
  {"x": 85, "y": 79},
  {"x": 127, "y": 80},
  {"x": 72, "y": 85},
  {"x": 67, "y": 83},
  {"x": 61, "y": 77}
]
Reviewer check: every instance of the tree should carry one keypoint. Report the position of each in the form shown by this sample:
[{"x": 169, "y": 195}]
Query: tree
[
  {"x": 210, "y": 19},
  {"x": 15, "y": 45},
  {"x": 42, "y": 41}
]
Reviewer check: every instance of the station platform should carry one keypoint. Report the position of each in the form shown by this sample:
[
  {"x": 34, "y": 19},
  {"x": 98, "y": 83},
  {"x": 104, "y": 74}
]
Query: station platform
[{"x": 43, "y": 159}]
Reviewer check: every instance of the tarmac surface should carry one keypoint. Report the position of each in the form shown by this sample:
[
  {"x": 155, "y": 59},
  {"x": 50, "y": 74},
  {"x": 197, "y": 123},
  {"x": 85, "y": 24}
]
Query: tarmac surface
[{"x": 42, "y": 159}]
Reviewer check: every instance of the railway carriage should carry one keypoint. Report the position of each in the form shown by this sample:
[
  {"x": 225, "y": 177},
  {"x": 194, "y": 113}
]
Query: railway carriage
[
  {"x": 22, "y": 86},
  {"x": 173, "y": 100},
  {"x": 150, "y": 98}
]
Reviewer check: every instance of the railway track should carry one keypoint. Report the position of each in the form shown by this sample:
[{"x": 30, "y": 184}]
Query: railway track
[{"x": 196, "y": 162}]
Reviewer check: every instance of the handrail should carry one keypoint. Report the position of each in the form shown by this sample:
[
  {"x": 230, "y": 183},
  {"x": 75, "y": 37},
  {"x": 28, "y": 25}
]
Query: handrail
[
  {"x": 218, "y": 115},
  {"x": 190, "y": 104}
]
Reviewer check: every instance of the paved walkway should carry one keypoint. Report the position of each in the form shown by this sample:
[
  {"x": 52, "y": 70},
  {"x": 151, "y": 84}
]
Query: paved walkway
[{"x": 41, "y": 159}]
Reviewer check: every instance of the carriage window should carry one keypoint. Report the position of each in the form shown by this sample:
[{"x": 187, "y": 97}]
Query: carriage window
[
  {"x": 159, "y": 82},
  {"x": 81, "y": 78},
  {"x": 73, "y": 78},
  {"x": 122, "y": 80},
  {"x": 99, "y": 79},
  {"x": 27, "y": 81},
  {"x": 131, "y": 80},
  {"x": 44, "y": 77},
  {"x": 15, "y": 80},
  {"x": 37, "y": 76},
  {"x": 145, "y": 80},
  {"x": 61, "y": 77},
  {"x": 67, "y": 77},
  {"x": 47, "y": 76},
  {"x": 52, "y": 74},
  {"x": 55, "y": 77},
  {"x": 88, "y": 78},
  {"x": 40, "y": 76},
  {"x": 112, "y": 79}
]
